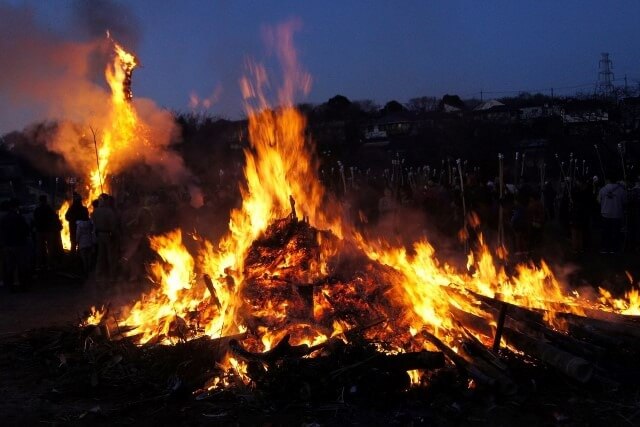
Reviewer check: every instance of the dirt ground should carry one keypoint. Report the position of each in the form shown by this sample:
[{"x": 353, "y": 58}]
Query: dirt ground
[{"x": 58, "y": 299}]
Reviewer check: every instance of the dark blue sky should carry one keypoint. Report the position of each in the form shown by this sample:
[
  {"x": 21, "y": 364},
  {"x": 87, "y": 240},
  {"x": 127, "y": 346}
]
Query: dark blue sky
[{"x": 380, "y": 50}]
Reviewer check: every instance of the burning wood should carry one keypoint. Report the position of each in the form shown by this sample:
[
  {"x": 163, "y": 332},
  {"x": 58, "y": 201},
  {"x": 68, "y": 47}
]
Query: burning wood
[
  {"x": 291, "y": 307},
  {"x": 574, "y": 367}
]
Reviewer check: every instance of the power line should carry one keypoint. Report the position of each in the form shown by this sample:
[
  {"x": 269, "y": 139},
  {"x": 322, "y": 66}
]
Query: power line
[
  {"x": 552, "y": 88},
  {"x": 548, "y": 88}
]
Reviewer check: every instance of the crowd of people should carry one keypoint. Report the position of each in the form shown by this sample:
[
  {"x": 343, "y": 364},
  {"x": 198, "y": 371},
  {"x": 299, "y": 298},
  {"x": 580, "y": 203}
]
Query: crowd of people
[
  {"x": 108, "y": 241},
  {"x": 591, "y": 215},
  {"x": 109, "y": 237}
]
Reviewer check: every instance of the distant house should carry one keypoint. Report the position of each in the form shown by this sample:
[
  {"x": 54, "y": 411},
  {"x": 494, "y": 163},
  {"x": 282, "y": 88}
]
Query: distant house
[
  {"x": 381, "y": 130},
  {"x": 494, "y": 111},
  {"x": 374, "y": 136},
  {"x": 488, "y": 105},
  {"x": 451, "y": 109},
  {"x": 585, "y": 116},
  {"x": 579, "y": 112}
]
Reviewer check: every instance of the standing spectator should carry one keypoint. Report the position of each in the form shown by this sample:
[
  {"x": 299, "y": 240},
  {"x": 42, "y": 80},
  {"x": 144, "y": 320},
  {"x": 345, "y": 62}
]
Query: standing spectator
[
  {"x": 612, "y": 198},
  {"x": 76, "y": 211},
  {"x": 86, "y": 238},
  {"x": 45, "y": 222},
  {"x": 14, "y": 234},
  {"x": 104, "y": 221}
]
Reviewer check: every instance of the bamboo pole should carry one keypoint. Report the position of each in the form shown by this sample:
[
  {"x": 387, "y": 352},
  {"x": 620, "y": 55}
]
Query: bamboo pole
[
  {"x": 604, "y": 177},
  {"x": 501, "y": 241},
  {"x": 95, "y": 146},
  {"x": 464, "y": 208}
]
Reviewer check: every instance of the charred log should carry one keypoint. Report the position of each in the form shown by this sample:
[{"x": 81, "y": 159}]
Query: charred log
[{"x": 570, "y": 365}]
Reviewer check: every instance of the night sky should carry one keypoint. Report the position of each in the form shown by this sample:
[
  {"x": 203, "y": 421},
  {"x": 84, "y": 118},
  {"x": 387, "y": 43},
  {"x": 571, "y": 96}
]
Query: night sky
[{"x": 379, "y": 50}]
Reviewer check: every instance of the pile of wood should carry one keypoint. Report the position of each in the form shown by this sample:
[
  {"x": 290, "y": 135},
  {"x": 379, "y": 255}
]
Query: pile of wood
[
  {"x": 598, "y": 349},
  {"x": 588, "y": 350}
]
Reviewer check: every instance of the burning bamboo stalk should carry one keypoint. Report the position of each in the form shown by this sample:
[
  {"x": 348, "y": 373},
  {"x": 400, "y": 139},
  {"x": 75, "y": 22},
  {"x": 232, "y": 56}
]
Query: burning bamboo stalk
[
  {"x": 95, "y": 146},
  {"x": 464, "y": 209},
  {"x": 499, "y": 327},
  {"x": 212, "y": 291}
]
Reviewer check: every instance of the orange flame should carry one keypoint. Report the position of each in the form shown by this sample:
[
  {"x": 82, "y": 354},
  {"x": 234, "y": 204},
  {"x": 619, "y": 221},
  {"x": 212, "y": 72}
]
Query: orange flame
[{"x": 65, "y": 233}]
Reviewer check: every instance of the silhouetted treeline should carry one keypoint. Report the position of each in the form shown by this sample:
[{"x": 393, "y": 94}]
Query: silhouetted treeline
[{"x": 423, "y": 131}]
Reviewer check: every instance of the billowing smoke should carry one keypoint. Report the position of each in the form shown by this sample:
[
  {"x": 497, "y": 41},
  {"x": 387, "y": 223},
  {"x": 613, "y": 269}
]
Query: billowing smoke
[
  {"x": 93, "y": 17},
  {"x": 45, "y": 73},
  {"x": 62, "y": 79}
]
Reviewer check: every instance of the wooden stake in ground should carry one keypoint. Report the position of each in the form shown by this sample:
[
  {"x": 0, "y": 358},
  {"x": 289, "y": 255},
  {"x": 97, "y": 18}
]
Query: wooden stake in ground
[
  {"x": 604, "y": 177},
  {"x": 501, "y": 241}
]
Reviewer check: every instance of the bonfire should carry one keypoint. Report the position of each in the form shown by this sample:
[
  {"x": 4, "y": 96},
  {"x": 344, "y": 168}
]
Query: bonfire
[{"x": 294, "y": 301}]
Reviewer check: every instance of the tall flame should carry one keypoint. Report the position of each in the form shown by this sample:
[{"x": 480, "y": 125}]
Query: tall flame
[
  {"x": 279, "y": 171},
  {"x": 123, "y": 127}
]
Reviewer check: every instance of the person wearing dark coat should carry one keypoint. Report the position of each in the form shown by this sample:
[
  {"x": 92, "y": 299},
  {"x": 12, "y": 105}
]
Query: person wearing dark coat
[
  {"x": 14, "y": 235},
  {"x": 75, "y": 213},
  {"x": 46, "y": 224}
]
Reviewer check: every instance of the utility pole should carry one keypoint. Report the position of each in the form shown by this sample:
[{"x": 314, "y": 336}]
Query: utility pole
[{"x": 481, "y": 96}]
